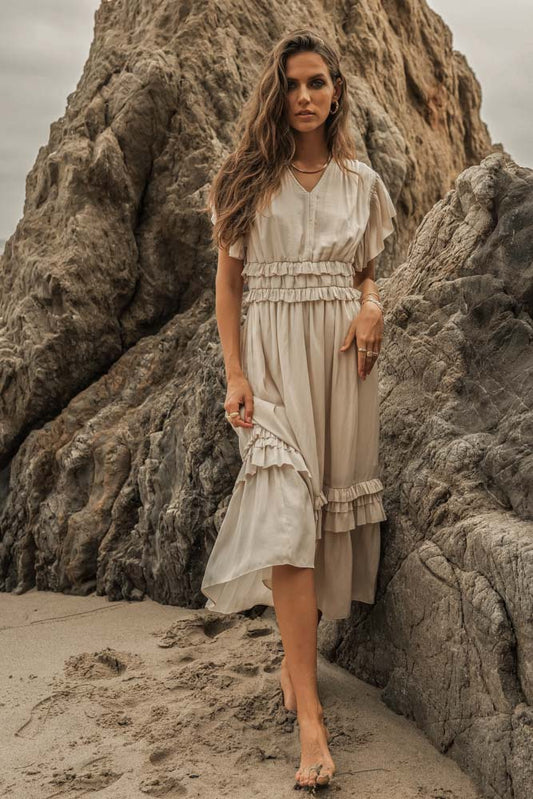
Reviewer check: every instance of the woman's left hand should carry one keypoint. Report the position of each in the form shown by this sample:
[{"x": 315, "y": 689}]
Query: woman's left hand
[{"x": 367, "y": 330}]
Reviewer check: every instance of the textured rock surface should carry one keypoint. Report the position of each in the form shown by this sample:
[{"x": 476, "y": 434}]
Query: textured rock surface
[
  {"x": 112, "y": 243},
  {"x": 123, "y": 491},
  {"x": 117, "y": 461},
  {"x": 450, "y": 638}
]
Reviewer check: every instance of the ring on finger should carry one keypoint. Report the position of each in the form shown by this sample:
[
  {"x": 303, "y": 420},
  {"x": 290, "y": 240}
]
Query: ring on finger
[{"x": 368, "y": 353}]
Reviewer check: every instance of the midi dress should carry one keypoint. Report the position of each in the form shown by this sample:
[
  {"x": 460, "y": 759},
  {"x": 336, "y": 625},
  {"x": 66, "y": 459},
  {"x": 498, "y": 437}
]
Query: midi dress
[{"x": 308, "y": 492}]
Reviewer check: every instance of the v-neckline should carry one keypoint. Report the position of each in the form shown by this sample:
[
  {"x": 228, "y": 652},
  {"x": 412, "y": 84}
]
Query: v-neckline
[{"x": 317, "y": 184}]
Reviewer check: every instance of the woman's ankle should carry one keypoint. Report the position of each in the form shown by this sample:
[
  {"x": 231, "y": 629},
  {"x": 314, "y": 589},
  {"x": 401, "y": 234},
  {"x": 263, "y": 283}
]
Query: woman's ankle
[{"x": 311, "y": 715}]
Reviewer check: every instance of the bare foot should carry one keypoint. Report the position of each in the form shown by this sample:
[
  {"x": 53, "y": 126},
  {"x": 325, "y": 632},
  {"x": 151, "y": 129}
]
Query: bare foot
[
  {"x": 316, "y": 763},
  {"x": 289, "y": 697}
]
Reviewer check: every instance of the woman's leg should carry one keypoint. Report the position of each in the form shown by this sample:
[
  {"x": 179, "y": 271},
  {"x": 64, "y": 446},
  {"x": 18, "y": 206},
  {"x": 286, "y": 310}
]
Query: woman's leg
[
  {"x": 289, "y": 697},
  {"x": 294, "y": 598}
]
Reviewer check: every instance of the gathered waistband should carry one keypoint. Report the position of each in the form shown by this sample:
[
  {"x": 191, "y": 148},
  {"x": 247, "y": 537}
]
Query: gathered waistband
[
  {"x": 299, "y": 281},
  {"x": 271, "y": 268}
]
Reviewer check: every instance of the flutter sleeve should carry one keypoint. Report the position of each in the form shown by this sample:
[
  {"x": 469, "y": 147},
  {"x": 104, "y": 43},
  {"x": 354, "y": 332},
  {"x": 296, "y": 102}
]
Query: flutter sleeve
[
  {"x": 237, "y": 249},
  {"x": 379, "y": 225}
]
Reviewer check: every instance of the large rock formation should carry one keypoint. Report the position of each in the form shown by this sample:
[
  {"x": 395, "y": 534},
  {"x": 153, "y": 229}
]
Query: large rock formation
[
  {"x": 112, "y": 244},
  {"x": 450, "y": 637},
  {"x": 117, "y": 460},
  {"x": 122, "y": 492}
]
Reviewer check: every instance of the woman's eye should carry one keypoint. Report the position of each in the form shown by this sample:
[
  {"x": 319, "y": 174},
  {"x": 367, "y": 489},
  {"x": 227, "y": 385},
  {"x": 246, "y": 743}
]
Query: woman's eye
[{"x": 316, "y": 82}]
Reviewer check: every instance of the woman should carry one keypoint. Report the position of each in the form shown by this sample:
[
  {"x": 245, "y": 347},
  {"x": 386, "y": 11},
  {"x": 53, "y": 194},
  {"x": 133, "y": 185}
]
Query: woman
[{"x": 306, "y": 220}]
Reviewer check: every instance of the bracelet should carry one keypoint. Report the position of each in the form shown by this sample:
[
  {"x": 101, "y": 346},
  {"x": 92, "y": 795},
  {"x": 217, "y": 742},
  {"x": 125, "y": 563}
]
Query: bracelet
[{"x": 371, "y": 299}]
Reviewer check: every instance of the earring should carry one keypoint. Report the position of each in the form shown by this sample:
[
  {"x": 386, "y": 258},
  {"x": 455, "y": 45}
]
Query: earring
[{"x": 336, "y": 109}]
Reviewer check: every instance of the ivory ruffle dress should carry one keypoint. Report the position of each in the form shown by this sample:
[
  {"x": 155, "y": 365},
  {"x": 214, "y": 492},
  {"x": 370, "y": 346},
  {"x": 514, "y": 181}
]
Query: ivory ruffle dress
[{"x": 309, "y": 491}]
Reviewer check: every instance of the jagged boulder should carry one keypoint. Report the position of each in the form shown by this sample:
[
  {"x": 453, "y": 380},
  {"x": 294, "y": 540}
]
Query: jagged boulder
[
  {"x": 450, "y": 638},
  {"x": 122, "y": 493}
]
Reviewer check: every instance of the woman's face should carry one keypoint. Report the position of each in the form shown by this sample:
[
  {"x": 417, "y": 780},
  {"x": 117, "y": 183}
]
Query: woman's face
[{"x": 310, "y": 88}]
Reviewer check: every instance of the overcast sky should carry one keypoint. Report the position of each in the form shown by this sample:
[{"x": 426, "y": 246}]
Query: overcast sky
[{"x": 44, "y": 45}]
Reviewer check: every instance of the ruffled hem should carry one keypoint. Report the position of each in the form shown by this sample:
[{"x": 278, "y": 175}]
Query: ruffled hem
[
  {"x": 353, "y": 506},
  {"x": 336, "y": 510},
  {"x": 304, "y": 294},
  {"x": 263, "y": 450},
  {"x": 270, "y": 519},
  {"x": 273, "y": 518}
]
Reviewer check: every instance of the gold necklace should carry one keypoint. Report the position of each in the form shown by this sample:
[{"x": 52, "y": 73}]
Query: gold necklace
[{"x": 311, "y": 171}]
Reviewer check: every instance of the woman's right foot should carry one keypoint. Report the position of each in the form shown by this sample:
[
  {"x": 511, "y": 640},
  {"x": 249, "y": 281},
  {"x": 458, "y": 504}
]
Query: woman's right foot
[{"x": 316, "y": 764}]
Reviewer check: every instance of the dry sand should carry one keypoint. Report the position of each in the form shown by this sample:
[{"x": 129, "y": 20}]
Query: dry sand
[{"x": 125, "y": 700}]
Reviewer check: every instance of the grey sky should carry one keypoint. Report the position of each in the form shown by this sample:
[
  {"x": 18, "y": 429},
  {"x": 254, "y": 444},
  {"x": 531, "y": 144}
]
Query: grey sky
[
  {"x": 496, "y": 40},
  {"x": 45, "y": 43}
]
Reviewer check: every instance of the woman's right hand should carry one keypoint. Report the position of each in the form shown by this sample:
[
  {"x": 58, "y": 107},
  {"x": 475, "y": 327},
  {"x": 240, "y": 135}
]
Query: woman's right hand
[{"x": 239, "y": 392}]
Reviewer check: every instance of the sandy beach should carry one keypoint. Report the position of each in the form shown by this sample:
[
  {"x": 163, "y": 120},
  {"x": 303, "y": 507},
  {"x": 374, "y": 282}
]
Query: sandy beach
[{"x": 127, "y": 700}]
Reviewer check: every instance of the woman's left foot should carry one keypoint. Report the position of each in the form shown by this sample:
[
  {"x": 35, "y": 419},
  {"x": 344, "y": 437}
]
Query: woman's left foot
[
  {"x": 289, "y": 697},
  {"x": 316, "y": 765}
]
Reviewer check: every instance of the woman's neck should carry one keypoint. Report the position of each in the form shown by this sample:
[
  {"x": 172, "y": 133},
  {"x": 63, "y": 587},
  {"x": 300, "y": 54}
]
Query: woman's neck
[{"x": 311, "y": 151}]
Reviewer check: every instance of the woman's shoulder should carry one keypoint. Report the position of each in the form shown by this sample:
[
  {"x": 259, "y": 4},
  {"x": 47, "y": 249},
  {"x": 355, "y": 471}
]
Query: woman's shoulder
[
  {"x": 359, "y": 171},
  {"x": 362, "y": 169}
]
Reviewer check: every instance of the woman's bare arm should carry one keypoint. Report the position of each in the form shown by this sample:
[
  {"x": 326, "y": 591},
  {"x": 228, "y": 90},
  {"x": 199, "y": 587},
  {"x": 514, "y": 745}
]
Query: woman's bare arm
[
  {"x": 228, "y": 293},
  {"x": 228, "y": 287},
  {"x": 365, "y": 279},
  {"x": 367, "y": 326}
]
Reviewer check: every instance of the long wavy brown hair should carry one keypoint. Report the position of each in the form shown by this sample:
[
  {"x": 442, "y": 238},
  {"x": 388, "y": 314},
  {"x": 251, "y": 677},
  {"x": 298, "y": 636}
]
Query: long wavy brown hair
[{"x": 252, "y": 173}]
